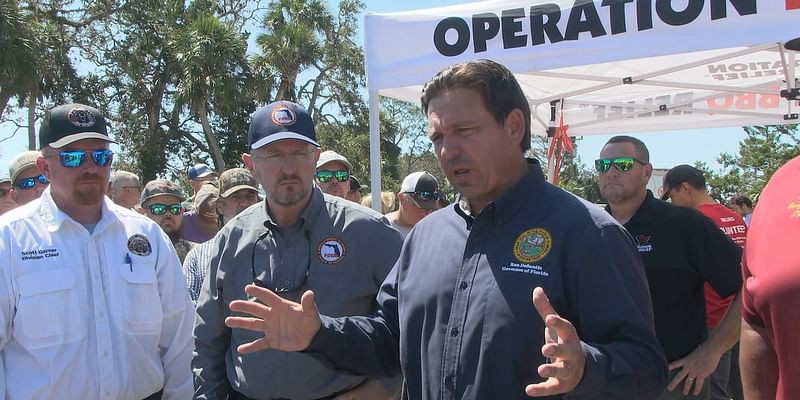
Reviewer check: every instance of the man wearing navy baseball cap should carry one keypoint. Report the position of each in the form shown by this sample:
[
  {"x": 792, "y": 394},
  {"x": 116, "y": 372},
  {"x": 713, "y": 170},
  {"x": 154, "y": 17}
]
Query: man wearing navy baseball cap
[{"x": 297, "y": 239}]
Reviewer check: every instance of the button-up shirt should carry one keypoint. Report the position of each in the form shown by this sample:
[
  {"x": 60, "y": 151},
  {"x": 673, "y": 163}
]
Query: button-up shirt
[
  {"x": 340, "y": 250},
  {"x": 456, "y": 314},
  {"x": 102, "y": 315}
]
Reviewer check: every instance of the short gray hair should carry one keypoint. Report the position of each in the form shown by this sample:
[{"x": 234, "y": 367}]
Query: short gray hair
[{"x": 123, "y": 178}]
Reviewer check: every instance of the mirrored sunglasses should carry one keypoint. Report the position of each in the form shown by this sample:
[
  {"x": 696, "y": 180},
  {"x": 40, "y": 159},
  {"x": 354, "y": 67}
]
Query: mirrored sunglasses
[
  {"x": 621, "y": 164},
  {"x": 161, "y": 209},
  {"x": 325, "y": 176},
  {"x": 29, "y": 183},
  {"x": 74, "y": 158}
]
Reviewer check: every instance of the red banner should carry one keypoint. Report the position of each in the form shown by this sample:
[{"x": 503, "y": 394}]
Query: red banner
[{"x": 792, "y": 4}]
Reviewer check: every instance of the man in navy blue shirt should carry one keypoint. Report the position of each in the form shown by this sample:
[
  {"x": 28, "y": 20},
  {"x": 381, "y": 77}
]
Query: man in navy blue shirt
[{"x": 455, "y": 314}]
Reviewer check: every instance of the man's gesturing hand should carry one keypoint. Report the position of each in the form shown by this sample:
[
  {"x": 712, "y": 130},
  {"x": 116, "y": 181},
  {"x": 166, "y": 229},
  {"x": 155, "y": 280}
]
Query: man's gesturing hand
[
  {"x": 286, "y": 325},
  {"x": 562, "y": 348}
]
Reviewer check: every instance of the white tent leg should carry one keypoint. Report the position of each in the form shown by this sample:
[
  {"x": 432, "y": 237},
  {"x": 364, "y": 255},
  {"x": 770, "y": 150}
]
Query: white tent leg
[
  {"x": 551, "y": 163},
  {"x": 375, "y": 149}
]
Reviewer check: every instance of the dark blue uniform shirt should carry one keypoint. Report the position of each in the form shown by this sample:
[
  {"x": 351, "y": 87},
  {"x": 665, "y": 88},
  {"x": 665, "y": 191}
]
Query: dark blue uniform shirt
[{"x": 458, "y": 302}]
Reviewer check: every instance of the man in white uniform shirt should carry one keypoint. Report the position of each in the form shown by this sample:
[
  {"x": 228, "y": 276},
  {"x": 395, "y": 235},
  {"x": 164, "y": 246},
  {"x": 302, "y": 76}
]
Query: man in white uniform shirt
[{"x": 93, "y": 304}]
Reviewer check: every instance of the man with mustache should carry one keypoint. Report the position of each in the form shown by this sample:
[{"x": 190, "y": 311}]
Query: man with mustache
[
  {"x": 92, "y": 300},
  {"x": 237, "y": 191},
  {"x": 161, "y": 201},
  {"x": 297, "y": 238},
  {"x": 463, "y": 314}
]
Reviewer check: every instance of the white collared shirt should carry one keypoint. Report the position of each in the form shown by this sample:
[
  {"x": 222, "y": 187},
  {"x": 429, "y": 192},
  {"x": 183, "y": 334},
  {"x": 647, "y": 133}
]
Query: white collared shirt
[{"x": 104, "y": 315}]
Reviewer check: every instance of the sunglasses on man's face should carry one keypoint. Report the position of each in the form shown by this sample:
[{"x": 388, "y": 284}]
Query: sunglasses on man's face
[
  {"x": 29, "y": 183},
  {"x": 74, "y": 158},
  {"x": 325, "y": 176},
  {"x": 161, "y": 209},
  {"x": 621, "y": 164}
]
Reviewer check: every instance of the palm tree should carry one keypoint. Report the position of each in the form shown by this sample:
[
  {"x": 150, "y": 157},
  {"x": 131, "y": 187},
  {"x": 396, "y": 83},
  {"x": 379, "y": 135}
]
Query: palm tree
[
  {"x": 292, "y": 40},
  {"x": 208, "y": 54},
  {"x": 18, "y": 58}
]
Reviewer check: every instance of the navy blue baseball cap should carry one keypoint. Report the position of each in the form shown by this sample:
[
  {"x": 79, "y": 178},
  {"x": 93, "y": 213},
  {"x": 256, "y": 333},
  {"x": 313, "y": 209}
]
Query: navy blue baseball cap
[{"x": 280, "y": 120}]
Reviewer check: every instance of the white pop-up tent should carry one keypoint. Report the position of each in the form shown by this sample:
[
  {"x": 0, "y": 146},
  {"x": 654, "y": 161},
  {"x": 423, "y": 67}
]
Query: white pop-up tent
[{"x": 606, "y": 66}]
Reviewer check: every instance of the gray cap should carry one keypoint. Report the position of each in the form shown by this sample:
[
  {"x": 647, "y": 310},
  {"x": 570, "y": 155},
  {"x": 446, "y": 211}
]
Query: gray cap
[
  {"x": 5, "y": 179},
  {"x": 160, "y": 187},
  {"x": 331, "y": 156},
  {"x": 234, "y": 180},
  {"x": 22, "y": 162}
]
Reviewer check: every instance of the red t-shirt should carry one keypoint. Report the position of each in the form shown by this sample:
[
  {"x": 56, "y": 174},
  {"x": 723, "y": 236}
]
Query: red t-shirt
[
  {"x": 733, "y": 225},
  {"x": 771, "y": 272}
]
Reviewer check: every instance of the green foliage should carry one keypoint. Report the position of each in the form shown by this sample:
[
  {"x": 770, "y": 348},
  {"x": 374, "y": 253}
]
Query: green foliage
[{"x": 761, "y": 153}]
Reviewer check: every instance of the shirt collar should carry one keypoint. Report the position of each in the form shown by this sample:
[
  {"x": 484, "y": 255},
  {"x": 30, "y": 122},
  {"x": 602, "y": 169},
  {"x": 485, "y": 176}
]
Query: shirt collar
[
  {"x": 505, "y": 206},
  {"x": 647, "y": 210}
]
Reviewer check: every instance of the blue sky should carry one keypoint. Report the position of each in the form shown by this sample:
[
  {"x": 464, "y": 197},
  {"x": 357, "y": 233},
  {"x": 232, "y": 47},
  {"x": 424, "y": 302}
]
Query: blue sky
[{"x": 667, "y": 149}]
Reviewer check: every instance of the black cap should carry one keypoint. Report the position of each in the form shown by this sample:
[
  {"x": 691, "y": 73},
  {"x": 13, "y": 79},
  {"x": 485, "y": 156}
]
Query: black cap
[
  {"x": 682, "y": 173},
  {"x": 69, "y": 123},
  {"x": 354, "y": 183},
  {"x": 280, "y": 120}
]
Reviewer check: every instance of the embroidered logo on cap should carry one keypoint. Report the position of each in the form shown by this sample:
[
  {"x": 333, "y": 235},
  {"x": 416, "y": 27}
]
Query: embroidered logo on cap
[
  {"x": 532, "y": 245},
  {"x": 331, "y": 250},
  {"x": 81, "y": 117},
  {"x": 283, "y": 115},
  {"x": 139, "y": 245}
]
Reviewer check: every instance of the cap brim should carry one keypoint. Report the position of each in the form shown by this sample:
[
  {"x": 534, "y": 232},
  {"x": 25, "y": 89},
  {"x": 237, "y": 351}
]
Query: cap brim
[
  {"x": 236, "y": 189},
  {"x": 79, "y": 136},
  {"x": 340, "y": 160},
  {"x": 425, "y": 204},
  {"x": 282, "y": 136},
  {"x": 205, "y": 174},
  {"x": 20, "y": 169},
  {"x": 162, "y": 194}
]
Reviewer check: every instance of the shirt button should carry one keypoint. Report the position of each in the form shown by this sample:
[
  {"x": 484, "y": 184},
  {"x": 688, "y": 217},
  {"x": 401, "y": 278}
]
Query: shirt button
[
  {"x": 105, "y": 354},
  {"x": 279, "y": 363},
  {"x": 463, "y": 285},
  {"x": 448, "y": 381},
  {"x": 286, "y": 283},
  {"x": 454, "y": 332}
]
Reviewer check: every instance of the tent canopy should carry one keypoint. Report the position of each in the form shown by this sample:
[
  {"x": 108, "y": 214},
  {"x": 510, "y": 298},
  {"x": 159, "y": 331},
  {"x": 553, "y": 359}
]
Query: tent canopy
[{"x": 609, "y": 66}]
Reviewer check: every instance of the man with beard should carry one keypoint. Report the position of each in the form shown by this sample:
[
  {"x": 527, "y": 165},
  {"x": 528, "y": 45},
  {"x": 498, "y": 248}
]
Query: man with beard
[
  {"x": 296, "y": 239},
  {"x": 161, "y": 202},
  {"x": 238, "y": 192},
  {"x": 463, "y": 314},
  {"x": 92, "y": 300}
]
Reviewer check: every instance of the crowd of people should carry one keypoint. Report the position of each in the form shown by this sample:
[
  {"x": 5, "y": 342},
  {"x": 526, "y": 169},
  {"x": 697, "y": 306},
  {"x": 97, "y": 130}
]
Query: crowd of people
[{"x": 114, "y": 289}]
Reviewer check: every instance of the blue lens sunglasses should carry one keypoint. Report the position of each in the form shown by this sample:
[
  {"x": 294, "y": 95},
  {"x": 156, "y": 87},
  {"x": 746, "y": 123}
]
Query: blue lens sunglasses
[
  {"x": 29, "y": 183},
  {"x": 74, "y": 158}
]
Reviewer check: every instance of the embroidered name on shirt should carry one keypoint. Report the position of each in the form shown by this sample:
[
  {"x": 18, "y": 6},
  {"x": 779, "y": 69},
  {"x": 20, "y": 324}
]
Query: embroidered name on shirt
[
  {"x": 526, "y": 269},
  {"x": 39, "y": 254}
]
